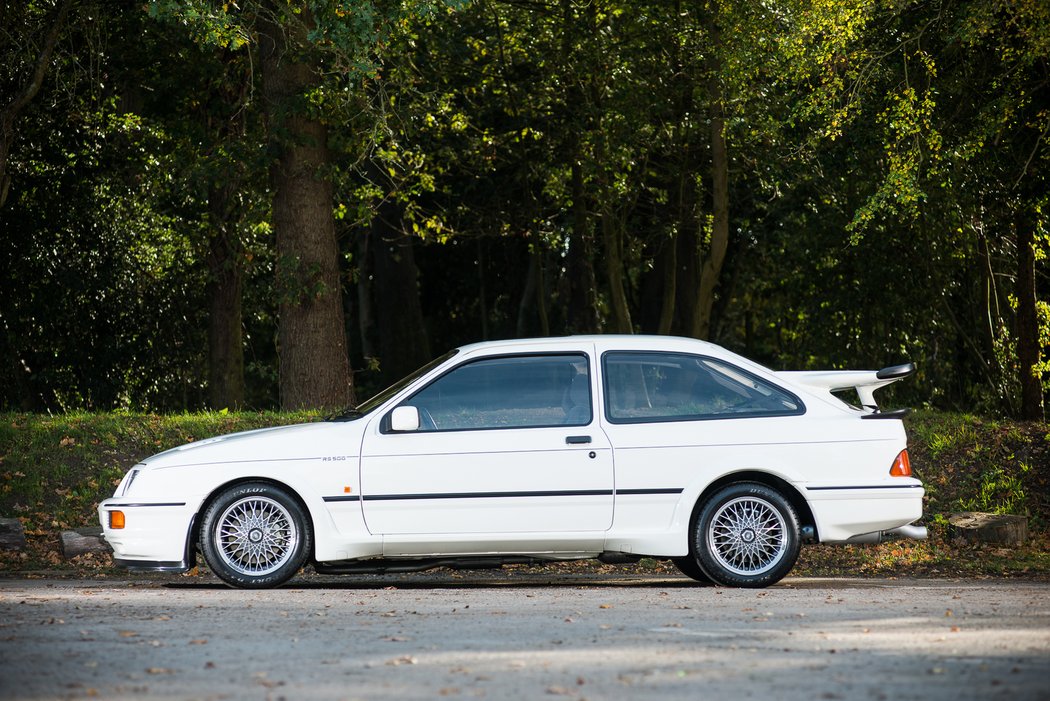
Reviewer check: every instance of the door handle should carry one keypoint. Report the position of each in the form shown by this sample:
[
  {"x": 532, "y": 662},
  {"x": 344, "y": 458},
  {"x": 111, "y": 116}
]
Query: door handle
[{"x": 577, "y": 440}]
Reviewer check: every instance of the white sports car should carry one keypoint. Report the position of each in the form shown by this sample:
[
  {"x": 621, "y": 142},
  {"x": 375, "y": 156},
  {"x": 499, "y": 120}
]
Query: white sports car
[{"x": 614, "y": 447}]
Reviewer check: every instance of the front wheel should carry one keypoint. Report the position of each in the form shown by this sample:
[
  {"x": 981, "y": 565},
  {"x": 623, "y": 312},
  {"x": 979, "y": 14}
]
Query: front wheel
[
  {"x": 747, "y": 535},
  {"x": 255, "y": 535},
  {"x": 690, "y": 568}
]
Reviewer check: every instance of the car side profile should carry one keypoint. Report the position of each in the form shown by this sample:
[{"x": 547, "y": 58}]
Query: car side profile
[{"x": 610, "y": 447}]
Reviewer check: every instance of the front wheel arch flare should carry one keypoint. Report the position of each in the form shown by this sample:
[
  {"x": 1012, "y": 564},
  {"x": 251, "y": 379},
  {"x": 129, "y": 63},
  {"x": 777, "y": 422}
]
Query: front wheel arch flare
[
  {"x": 255, "y": 535},
  {"x": 220, "y": 489}
]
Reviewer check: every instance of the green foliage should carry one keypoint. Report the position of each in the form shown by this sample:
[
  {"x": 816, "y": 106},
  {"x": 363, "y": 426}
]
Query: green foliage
[
  {"x": 880, "y": 155},
  {"x": 973, "y": 464},
  {"x": 106, "y": 231},
  {"x": 999, "y": 492},
  {"x": 55, "y": 469},
  {"x": 345, "y": 32}
]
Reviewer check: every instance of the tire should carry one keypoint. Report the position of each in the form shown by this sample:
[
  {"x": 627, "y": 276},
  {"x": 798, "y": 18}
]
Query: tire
[
  {"x": 255, "y": 536},
  {"x": 747, "y": 535},
  {"x": 690, "y": 568}
]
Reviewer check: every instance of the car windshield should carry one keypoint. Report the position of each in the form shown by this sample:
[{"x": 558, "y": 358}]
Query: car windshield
[{"x": 369, "y": 405}]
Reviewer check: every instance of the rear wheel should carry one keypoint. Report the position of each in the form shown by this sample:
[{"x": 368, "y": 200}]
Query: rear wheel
[
  {"x": 255, "y": 535},
  {"x": 747, "y": 535}
]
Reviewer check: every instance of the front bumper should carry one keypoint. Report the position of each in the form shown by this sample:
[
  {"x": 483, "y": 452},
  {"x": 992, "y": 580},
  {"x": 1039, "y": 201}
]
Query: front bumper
[{"x": 156, "y": 535}]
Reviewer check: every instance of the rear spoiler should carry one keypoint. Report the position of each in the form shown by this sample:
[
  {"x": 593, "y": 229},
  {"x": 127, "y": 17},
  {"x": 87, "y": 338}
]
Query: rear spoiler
[{"x": 865, "y": 382}]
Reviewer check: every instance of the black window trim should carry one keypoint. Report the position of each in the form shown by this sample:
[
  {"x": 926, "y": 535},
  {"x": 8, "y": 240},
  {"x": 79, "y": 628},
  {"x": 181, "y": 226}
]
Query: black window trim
[
  {"x": 708, "y": 417},
  {"x": 384, "y": 425}
]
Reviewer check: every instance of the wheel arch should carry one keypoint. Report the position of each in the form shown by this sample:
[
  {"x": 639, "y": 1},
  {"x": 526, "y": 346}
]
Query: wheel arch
[
  {"x": 789, "y": 491},
  {"x": 194, "y": 546}
]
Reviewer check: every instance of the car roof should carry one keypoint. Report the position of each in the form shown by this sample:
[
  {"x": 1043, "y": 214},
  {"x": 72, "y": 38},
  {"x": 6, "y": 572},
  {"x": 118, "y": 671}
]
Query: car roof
[{"x": 605, "y": 342}]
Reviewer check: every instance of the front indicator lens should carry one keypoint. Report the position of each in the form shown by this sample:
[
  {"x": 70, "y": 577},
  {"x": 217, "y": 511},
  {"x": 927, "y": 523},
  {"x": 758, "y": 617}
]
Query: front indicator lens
[
  {"x": 901, "y": 465},
  {"x": 116, "y": 519}
]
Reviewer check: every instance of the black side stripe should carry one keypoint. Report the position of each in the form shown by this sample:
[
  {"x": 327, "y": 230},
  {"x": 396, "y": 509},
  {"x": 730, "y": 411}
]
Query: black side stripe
[
  {"x": 129, "y": 505},
  {"x": 491, "y": 495},
  {"x": 874, "y": 486},
  {"x": 502, "y": 495}
]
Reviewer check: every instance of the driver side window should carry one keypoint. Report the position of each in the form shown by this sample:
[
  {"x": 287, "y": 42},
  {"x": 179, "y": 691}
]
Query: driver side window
[{"x": 508, "y": 392}]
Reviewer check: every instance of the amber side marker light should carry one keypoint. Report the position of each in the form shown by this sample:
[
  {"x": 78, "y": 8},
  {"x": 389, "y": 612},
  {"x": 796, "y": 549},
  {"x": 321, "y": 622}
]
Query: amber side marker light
[
  {"x": 901, "y": 465},
  {"x": 116, "y": 519}
]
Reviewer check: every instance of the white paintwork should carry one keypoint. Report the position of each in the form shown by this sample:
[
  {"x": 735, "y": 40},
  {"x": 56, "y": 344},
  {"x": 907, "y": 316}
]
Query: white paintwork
[
  {"x": 532, "y": 478},
  {"x": 865, "y": 382},
  {"x": 404, "y": 418}
]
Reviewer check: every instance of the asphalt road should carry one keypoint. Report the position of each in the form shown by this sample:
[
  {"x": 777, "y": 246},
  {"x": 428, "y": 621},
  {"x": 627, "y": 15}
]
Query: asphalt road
[{"x": 524, "y": 636}]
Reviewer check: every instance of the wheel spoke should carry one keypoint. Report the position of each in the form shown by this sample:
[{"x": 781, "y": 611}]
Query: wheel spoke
[
  {"x": 748, "y": 536},
  {"x": 256, "y": 536}
]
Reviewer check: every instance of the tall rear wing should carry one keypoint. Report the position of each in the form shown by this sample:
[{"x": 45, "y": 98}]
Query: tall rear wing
[{"x": 865, "y": 382}]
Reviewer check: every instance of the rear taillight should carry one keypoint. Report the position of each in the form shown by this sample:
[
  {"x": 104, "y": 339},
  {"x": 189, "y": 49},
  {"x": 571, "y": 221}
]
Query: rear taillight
[{"x": 901, "y": 465}]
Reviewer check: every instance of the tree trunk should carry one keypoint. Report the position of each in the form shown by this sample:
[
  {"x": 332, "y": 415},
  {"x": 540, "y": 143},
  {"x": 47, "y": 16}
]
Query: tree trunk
[
  {"x": 687, "y": 266},
  {"x": 365, "y": 320},
  {"x": 668, "y": 265},
  {"x": 583, "y": 303},
  {"x": 483, "y": 293},
  {"x": 403, "y": 342},
  {"x": 716, "y": 252},
  {"x": 1028, "y": 351},
  {"x": 614, "y": 269},
  {"x": 314, "y": 369},
  {"x": 976, "y": 527},
  {"x": 225, "y": 336},
  {"x": 528, "y": 298},
  {"x": 541, "y": 293}
]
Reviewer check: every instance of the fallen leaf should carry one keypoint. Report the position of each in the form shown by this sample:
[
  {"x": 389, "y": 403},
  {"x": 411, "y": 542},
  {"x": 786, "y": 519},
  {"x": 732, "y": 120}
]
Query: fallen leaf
[{"x": 404, "y": 659}]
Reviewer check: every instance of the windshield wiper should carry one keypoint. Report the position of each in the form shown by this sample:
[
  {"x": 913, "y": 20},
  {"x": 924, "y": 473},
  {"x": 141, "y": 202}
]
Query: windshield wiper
[{"x": 345, "y": 415}]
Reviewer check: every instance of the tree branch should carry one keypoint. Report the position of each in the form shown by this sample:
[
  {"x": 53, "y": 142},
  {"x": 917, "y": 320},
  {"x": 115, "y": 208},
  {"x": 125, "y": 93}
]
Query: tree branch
[{"x": 40, "y": 68}]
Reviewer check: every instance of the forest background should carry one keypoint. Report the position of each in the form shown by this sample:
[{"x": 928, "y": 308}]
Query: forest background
[{"x": 291, "y": 203}]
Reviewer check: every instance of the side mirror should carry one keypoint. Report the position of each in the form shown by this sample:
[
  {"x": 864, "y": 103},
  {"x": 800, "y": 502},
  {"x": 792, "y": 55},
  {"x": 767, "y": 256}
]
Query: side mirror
[{"x": 404, "y": 419}]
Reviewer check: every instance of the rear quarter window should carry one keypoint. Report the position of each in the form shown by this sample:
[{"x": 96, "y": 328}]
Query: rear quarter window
[{"x": 653, "y": 387}]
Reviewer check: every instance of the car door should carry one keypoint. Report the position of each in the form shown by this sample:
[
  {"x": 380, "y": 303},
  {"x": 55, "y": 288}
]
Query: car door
[{"x": 506, "y": 444}]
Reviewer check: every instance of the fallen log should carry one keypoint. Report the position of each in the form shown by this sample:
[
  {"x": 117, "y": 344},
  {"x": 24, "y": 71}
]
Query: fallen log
[
  {"x": 977, "y": 527},
  {"x": 83, "y": 541},
  {"x": 12, "y": 534}
]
